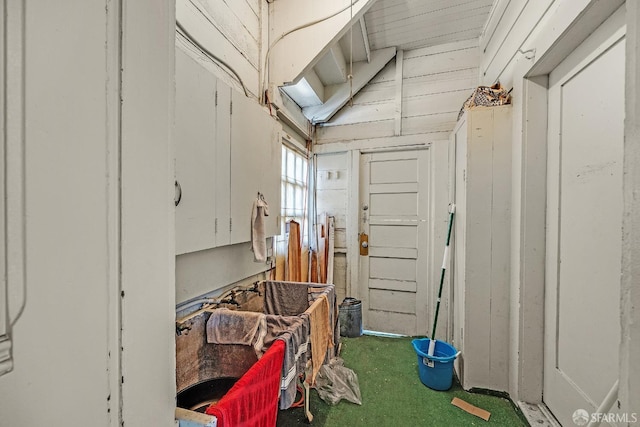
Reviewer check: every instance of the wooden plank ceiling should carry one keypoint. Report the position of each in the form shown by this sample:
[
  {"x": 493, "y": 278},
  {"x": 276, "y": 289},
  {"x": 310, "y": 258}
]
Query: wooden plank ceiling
[
  {"x": 409, "y": 24},
  {"x": 399, "y": 24}
]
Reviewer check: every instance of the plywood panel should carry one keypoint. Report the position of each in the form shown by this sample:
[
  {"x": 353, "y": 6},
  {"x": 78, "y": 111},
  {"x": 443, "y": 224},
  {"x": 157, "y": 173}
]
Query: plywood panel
[
  {"x": 396, "y": 269},
  {"x": 396, "y": 301}
]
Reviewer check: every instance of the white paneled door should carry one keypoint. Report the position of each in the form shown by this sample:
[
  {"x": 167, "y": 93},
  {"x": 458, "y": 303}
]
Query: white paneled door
[
  {"x": 584, "y": 222},
  {"x": 393, "y": 214}
]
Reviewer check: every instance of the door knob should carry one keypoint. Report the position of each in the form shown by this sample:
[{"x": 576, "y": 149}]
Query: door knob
[{"x": 364, "y": 244}]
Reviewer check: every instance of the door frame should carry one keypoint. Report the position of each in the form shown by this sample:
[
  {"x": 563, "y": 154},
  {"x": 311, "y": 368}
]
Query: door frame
[
  {"x": 439, "y": 169},
  {"x": 362, "y": 284},
  {"x": 531, "y": 249}
]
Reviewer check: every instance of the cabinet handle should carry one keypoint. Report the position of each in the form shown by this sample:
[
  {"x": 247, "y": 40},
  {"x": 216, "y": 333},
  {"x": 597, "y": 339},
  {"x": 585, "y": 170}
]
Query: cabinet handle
[{"x": 178, "y": 195}]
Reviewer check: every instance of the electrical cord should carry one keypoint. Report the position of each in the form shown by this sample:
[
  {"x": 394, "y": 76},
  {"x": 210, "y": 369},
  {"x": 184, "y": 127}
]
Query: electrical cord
[
  {"x": 263, "y": 79},
  {"x": 350, "y": 76},
  {"x": 211, "y": 56}
]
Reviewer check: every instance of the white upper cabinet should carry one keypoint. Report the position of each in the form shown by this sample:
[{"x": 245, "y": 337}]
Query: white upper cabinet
[
  {"x": 227, "y": 151},
  {"x": 195, "y": 133},
  {"x": 255, "y": 166}
]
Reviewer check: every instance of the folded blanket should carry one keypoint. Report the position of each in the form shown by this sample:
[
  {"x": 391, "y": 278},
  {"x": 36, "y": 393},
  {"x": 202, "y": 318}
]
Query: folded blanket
[
  {"x": 294, "y": 332},
  {"x": 285, "y": 298},
  {"x": 315, "y": 290},
  {"x": 253, "y": 400},
  {"x": 237, "y": 327}
]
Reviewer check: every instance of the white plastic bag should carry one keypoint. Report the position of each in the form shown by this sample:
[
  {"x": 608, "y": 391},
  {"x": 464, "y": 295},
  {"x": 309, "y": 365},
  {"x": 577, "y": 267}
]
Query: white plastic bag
[{"x": 336, "y": 382}]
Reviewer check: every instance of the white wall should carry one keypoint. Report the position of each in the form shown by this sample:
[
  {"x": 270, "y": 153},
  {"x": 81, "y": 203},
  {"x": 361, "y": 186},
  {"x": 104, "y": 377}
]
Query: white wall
[
  {"x": 203, "y": 272},
  {"x": 231, "y": 30},
  {"x": 435, "y": 83},
  {"x": 296, "y": 53},
  {"x": 147, "y": 213},
  {"x": 518, "y": 36},
  {"x": 99, "y": 219},
  {"x": 630, "y": 298},
  {"x": 61, "y": 344},
  {"x": 332, "y": 193}
]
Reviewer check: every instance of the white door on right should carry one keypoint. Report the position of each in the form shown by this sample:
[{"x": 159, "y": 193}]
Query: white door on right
[{"x": 584, "y": 223}]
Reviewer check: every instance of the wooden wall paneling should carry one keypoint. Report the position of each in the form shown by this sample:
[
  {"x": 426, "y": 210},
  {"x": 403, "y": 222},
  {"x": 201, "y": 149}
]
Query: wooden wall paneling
[
  {"x": 237, "y": 22},
  {"x": 503, "y": 49}
]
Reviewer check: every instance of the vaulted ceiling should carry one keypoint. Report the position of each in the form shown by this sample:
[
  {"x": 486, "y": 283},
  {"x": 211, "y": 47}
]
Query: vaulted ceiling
[
  {"x": 410, "y": 24},
  {"x": 397, "y": 24}
]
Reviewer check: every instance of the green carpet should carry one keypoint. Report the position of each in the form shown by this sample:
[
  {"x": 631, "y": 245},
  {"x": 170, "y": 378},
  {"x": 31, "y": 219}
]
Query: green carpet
[{"x": 392, "y": 394}]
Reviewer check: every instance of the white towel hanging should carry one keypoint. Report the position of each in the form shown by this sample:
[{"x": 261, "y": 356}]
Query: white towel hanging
[{"x": 258, "y": 233}]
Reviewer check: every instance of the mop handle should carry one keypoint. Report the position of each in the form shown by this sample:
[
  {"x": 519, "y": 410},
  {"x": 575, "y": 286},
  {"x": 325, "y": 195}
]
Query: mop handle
[{"x": 445, "y": 263}]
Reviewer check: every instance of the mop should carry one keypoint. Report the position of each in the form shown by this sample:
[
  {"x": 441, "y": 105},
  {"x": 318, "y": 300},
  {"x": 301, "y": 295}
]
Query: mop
[{"x": 445, "y": 262}]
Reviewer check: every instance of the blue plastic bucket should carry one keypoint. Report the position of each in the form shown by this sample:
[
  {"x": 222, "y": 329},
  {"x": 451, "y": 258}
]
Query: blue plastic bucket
[{"x": 436, "y": 372}]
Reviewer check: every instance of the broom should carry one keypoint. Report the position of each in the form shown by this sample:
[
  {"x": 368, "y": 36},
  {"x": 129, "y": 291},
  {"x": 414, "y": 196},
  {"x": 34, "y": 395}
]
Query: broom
[{"x": 445, "y": 262}]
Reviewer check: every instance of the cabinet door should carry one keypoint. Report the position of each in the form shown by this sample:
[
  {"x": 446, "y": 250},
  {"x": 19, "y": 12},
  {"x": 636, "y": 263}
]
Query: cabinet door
[
  {"x": 255, "y": 166},
  {"x": 272, "y": 181},
  {"x": 195, "y": 131},
  {"x": 223, "y": 164}
]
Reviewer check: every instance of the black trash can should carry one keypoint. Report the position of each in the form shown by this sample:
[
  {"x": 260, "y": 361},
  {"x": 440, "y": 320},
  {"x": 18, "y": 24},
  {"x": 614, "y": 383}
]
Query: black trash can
[{"x": 350, "y": 318}]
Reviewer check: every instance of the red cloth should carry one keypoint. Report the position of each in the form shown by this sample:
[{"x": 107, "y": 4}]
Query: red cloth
[{"x": 253, "y": 400}]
